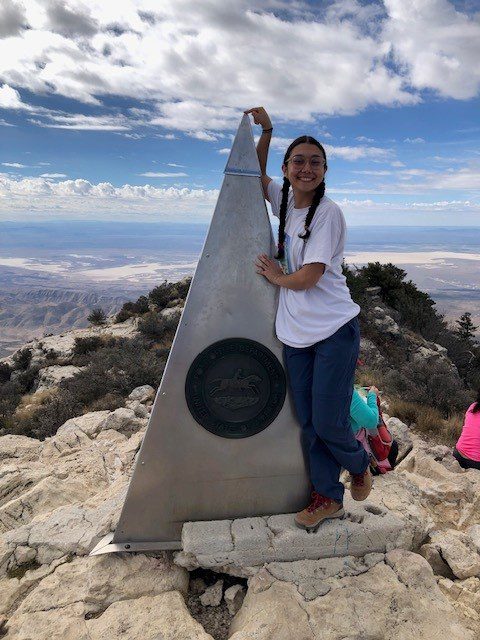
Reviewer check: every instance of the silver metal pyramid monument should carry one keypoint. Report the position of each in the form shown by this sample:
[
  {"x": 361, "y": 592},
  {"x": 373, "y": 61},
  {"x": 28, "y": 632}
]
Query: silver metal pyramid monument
[{"x": 222, "y": 441}]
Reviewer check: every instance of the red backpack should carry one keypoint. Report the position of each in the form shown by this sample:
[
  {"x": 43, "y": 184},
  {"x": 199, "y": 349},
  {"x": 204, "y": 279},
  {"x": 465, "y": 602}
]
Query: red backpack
[{"x": 380, "y": 442}]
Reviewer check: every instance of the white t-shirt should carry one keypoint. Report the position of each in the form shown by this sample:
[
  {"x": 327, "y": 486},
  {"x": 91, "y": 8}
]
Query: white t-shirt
[{"x": 306, "y": 317}]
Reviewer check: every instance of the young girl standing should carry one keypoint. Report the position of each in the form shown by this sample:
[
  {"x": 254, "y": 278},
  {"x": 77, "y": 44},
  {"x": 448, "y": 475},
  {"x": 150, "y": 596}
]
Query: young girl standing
[{"x": 316, "y": 321}]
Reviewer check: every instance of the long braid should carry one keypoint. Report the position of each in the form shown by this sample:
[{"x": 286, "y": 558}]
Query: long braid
[
  {"x": 317, "y": 196},
  {"x": 283, "y": 217}
]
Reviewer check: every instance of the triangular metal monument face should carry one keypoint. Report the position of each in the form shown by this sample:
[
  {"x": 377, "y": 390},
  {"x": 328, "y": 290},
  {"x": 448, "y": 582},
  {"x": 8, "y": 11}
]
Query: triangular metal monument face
[{"x": 222, "y": 441}]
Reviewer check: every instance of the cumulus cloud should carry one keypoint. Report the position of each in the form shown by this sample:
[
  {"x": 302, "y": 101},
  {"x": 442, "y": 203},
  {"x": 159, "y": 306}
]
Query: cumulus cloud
[
  {"x": 14, "y": 165},
  {"x": 438, "y": 45},
  {"x": 194, "y": 67},
  {"x": 10, "y": 99},
  {"x": 12, "y": 18},
  {"x": 194, "y": 60},
  {"x": 42, "y": 194},
  {"x": 70, "y": 21}
]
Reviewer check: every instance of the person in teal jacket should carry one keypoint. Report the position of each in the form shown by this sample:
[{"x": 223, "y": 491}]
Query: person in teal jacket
[{"x": 364, "y": 414}]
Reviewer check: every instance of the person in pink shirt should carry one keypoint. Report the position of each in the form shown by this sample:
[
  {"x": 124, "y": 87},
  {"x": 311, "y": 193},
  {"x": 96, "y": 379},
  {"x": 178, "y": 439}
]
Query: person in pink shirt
[{"x": 467, "y": 450}]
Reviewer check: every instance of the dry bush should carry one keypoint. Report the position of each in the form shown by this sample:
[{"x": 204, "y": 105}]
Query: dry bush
[
  {"x": 366, "y": 377},
  {"x": 428, "y": 420},
  {"x": 108, "y": 402},
  {"x": 452, "y": 428},
  {"x": 403, "y": 410},
  {"x": 32, "y": 401}
]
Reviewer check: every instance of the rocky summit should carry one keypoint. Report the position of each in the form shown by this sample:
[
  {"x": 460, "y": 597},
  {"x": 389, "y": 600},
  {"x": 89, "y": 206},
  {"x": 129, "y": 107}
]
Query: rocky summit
[{"x": 403, "y": 564}]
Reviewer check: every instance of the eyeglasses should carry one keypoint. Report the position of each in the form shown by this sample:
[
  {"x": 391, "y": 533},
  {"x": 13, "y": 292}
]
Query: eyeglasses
[{"x": 316, "y": 162}]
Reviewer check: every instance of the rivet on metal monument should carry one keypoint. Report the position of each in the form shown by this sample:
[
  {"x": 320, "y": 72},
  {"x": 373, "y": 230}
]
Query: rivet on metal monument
[{"x": 222, "y": 441}]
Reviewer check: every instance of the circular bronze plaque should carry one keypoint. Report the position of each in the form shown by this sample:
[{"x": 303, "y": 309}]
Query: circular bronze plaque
[{"x": 235, "y": 388}]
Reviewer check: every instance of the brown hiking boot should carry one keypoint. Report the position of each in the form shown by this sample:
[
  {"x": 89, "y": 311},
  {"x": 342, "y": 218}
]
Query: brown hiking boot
[
  {"x": 321, "y": 508},
  {"x": 361, "y": 484}
]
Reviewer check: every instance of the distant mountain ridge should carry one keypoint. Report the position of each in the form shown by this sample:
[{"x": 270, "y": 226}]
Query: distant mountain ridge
[{"x": 32, "y": 312}]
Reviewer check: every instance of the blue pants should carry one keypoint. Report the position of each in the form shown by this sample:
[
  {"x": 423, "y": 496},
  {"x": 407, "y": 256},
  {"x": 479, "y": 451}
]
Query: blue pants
[{"x": 321, "y": 381}]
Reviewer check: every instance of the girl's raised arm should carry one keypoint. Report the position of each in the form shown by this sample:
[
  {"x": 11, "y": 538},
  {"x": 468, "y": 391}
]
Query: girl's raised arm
[{"x": 261, "y": 117}]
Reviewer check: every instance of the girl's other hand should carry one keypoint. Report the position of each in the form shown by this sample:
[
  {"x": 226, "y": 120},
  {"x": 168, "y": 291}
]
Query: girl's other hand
[
  {"x": 374, "y": 389},
  {"x": 260, "y": 116},
  {"x": 269, "y": 268}
]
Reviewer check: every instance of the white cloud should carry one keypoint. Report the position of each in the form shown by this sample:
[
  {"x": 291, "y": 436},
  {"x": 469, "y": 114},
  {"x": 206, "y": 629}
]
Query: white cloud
[
  {"x": 84, "y": 123},
  {"x": 356, "y": 153},
  {"x": 10, "y": 99},
  {"x": 364, "y": 139},
  {"x": 225, "y": 151},
  {"x": 53, "y": 175},
  {"x": 174, "y": 164},
  {"x": 193, "y": 56},
  {"x": 14, "y": 165},
  {"x": 12, "y": 18},
  {"x": 414, "y": 140},
  {"x": 346, "y": 153},
  {"x": 438, "y": 45},
  {"x": 194, "y": 66},
  {"x": 4, "y": 123},
  {"x": 44, "y": 196},
  {"x": 155, "y": 174}
]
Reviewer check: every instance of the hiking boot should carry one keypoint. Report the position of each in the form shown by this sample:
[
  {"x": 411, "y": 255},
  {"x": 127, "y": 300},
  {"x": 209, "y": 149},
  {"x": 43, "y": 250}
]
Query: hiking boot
[
  {"x": 361, "y": 484},
  {"x": 321, "y": 508}
]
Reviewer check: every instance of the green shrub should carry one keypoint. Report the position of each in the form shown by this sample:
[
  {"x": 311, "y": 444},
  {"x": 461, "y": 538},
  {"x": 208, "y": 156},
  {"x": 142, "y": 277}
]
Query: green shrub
[
  {"x": 22, "y": 359},
  {"x": 141, "y": 305},
  {"x": 152, "y": 325},
  {"x": 97, "y": 317},
  {"x": 5, "y": 372},
  {"x": 110, "y": 376},
  {"x": 161, "y": 295},
  {"x": 183, "y": 287},
  {"x": 130, "y": 309},
  {"x": 88, "y": 344},
  {"x": 10, "y": 396},
  {"x": 25, "y": 379},
  {"x": 123, "y": 315}
]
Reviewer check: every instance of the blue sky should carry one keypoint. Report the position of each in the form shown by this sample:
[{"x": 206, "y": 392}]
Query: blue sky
[{"x": 126, "y": 110}]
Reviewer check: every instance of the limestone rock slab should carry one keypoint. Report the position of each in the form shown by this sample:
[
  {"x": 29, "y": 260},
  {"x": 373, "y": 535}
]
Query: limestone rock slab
[
  {"x": 402, "y": 435},
  {"x": 162, "y": 617},
  {"x": 458, "y": 551},
  {"x": 19, "y": 447},
  {"x": 49, "y": 377},
  {"x": 240, "y": 547},
  {"x": 73, "y": 529},
  {"x": 90, "y": 423},
  {"x": 142, "y": 394},
  {"x": 408, "y": 604}
]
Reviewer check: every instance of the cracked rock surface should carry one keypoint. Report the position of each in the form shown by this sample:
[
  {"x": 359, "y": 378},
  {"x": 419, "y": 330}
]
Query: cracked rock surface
[
  {"x": 397, "y": 597},
  {"x": 361, "y": 577}
]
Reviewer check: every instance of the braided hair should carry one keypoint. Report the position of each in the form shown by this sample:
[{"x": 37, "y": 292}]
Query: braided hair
[{"x": 317, "y": 196}]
